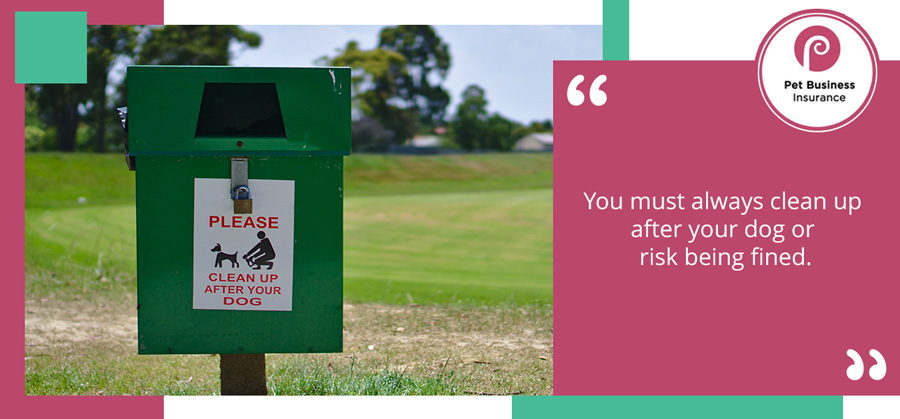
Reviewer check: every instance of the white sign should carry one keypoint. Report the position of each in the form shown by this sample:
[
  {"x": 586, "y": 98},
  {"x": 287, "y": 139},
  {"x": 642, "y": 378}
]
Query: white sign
[{"x": 243, "y": 261}]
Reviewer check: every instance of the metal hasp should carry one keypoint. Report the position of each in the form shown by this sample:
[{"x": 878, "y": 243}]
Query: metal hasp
[
  {"x": 240, "y": 191},
  {"x": 194, "y": 126}
]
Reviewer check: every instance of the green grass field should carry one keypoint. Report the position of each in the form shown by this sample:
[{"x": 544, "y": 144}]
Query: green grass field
[
  {"x": 443, "y": 229},
  {"x": 466, "y": 238}
]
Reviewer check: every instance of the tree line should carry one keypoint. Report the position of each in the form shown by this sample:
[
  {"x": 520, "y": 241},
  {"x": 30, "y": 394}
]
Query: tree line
[{"x": 397, "y": 89}]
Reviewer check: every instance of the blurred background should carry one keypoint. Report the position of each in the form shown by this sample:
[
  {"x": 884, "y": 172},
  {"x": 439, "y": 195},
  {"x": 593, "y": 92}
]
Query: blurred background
[{"x": 469, "y": 88}]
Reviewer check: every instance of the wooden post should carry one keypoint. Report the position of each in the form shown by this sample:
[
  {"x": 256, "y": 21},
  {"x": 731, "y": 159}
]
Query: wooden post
[{"x": 243, "y": 374}]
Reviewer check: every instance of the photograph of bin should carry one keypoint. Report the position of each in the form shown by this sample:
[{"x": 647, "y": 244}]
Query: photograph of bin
[{"x": 206, "y": 142}]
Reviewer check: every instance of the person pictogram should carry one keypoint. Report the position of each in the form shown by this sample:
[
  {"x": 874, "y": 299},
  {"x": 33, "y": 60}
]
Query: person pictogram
[{"x": 261, "y": 254}]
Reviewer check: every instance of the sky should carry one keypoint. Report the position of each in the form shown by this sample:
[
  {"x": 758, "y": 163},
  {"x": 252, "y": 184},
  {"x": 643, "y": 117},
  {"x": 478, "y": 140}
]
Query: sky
[{"x": 514, "y": 64}]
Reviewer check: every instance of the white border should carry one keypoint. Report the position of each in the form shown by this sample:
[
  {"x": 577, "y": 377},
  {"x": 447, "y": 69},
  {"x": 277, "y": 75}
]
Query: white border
[
  {"x": 726, "y": 30},
  {"x": 364, "y": 407},
  {"x": 383, "y": 12},
  {"x": 871, "y": 407}
]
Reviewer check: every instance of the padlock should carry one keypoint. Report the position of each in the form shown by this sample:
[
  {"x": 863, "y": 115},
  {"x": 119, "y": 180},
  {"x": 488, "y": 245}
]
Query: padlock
[{"x": 242, "y": 205}]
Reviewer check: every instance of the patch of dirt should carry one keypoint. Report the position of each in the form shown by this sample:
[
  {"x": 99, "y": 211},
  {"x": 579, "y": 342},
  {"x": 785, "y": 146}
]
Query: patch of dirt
[
  {"x": 54, "y": 324},
  {"x": 490, "y": 350}
]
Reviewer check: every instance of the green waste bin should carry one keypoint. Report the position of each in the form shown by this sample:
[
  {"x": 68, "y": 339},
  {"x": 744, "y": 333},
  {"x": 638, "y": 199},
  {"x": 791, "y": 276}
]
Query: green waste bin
[{"x": 239, "y": 196}]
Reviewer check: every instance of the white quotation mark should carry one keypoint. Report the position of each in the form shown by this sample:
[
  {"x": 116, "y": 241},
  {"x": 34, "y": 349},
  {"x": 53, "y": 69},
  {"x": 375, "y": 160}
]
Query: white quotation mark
[
  {"x": 879, "y": 370},
  {"x": 576, "y": 98},
  {"x": 856, "y": 371}
]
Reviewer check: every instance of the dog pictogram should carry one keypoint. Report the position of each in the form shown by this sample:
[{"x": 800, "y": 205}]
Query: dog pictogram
[{"x": 220, "y": 256}]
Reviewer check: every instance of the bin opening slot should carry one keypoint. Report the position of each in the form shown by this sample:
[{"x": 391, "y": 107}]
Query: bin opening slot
[{"x": 240, "y": 110}]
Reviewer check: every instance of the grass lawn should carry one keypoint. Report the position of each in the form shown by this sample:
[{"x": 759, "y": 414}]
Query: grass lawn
[
  {"x": 484, "y": 247},
  {"x": 472, "y": 234}
]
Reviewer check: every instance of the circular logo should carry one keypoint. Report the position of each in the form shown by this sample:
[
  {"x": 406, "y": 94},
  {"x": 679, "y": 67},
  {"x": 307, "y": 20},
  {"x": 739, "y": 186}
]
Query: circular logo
[
  {"x": 817, "y": 70},
  {"x": 817, "y": 48}
]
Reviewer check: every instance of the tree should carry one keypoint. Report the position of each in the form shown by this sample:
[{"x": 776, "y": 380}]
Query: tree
[
  {"x": 398, "y": 83},
  {"x": 374, "y": 76},
  {"x": 476, "y": 129},
  {"x": 106, "y": 43},
  {"x": 546, "y": 126},
  {"x": 371, "y": 71},
  {"x": 58, "y": 104},
  {"x": 63, "y": 106},
  {"x": 427, "y": 63},
  {"x": 499, "y": 133},
  {"x": 34, "y": 126},
  {"x": 194, "y": 45},
  {"x": 470, "y": 120}
]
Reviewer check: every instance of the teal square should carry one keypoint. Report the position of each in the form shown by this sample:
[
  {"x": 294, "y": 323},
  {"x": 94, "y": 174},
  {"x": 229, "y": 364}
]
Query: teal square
[{"x": 51, "y": 47}]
